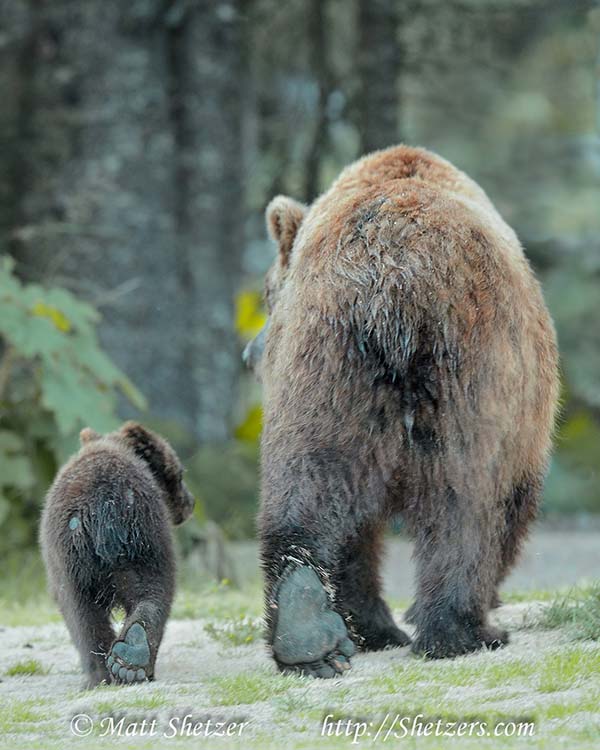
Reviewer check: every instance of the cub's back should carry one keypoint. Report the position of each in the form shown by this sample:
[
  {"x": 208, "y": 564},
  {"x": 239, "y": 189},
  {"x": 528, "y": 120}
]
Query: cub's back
[{"x": 103, "y": 513}]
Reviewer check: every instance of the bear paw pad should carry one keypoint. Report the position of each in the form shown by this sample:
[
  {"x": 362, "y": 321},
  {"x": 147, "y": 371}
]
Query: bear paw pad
[
  {"x": 309, "y": 638},
  {"x": 129, "y": 658}
]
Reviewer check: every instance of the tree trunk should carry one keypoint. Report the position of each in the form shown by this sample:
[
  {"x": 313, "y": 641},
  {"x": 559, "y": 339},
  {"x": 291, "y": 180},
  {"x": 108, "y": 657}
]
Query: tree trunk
[
  {"x": 379, "y": 66},
  {"x": 317, "y": 40},
  {"x": 98, "y": 208},
  {"x": 130, "y": 189},
  {"x": 15, "y": 61},
  {"x": 207, "y": 55}
]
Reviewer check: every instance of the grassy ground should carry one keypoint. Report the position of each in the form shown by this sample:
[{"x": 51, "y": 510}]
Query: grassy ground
[{"x": 214, "y": 666}]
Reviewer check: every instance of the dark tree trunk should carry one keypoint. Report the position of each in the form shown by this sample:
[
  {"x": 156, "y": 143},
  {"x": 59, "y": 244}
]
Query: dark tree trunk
[
  {"x": 98, "y": 206},
  {"x": 208, "y": 60},
  {"x": 379, "y": 66},
  {"x": 16, "y": 53},
  {"x": 128, "y": 178},
  {"x": 317, "y": 40}
]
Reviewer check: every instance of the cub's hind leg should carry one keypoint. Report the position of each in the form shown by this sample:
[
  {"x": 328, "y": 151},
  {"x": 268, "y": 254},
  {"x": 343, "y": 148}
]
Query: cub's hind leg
[
  {"x": 89, "y": 625},
  {"x": 147, "y": 598}
]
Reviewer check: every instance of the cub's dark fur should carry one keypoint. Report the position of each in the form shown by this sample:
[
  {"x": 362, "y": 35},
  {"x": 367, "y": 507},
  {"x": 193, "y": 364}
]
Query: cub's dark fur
[{"x": 106, "y": 541}]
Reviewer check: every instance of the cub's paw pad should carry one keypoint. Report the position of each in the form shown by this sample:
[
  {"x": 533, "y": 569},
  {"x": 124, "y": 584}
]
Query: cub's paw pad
[
  {"x": 309, "y": 638},
  {"x": 128, "y": 658}
]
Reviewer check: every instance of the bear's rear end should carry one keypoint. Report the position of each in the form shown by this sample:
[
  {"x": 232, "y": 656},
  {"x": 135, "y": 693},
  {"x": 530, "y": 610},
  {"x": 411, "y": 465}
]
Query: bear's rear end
[{"x": 410, "y": 367}]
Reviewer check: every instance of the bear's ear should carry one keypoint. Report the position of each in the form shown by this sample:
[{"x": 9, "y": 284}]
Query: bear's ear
[
  {"x": 155, "y": 451},
  {"x": 145, "y": 444},
  {"x": 87, "y": 435},
  {"x": 284, "y": 216},
  {"x": 142, "y": 441}
]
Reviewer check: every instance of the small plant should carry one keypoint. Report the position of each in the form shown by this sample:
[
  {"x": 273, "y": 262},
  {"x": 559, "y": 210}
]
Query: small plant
[
  {"x": 578, "y": 611},
  {"x": 238, "y": 632},
  {"x": 26, "y": 668}
]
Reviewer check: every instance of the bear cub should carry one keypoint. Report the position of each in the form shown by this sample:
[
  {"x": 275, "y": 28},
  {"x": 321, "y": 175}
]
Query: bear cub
[{"x": 106, "y": 542}]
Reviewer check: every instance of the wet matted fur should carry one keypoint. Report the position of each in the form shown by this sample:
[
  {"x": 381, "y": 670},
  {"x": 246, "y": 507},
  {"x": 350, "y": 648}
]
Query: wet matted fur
[
  {"x": 106, "y": 541},
  {"x": 409, "y": 367}
]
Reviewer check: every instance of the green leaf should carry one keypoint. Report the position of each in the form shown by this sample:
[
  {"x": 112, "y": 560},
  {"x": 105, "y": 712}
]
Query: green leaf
[{"x": 75, "y": 398}]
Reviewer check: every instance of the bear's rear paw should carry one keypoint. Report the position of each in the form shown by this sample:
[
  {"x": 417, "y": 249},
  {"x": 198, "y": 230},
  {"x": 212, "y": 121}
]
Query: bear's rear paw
[
  {"x": 309, "y": 638},
  {"x": 454, "y": 640},
  {"x": 385, "y": 637},
  {"x": 129, "y": 658},
  {"x": 492, "y": 637}
]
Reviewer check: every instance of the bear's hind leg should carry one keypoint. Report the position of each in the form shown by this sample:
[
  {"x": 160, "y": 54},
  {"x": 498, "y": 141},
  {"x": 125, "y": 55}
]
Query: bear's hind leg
[
  {"x": 302, "y": 548},
  {"x": 133, "y": 654},
  {"x": 308, "y": 636},
  {"x": 89, "y": 626},
  {"x": 359, "y": 594},
  {"x": 457, "y": 559},
  {"x": 520, "y": 511}
]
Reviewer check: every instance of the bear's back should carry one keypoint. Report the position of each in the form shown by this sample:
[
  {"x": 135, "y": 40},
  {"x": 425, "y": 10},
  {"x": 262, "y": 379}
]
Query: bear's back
[
  {"x": 104, "y": 510},
  {"x": 405, "y": 255},
  {"x": 409, "y": 213},
  {"x": 406, "y": 163},
  {"x": 414, "y": 188}
]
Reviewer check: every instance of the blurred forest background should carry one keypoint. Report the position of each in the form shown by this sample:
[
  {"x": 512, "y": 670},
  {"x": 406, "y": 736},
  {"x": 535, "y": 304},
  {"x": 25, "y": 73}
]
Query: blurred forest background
[{"x": 140, "y": 143}]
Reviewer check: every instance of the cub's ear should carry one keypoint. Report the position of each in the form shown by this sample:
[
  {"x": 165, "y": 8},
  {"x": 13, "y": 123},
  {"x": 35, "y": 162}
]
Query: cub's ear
[
  {"x": 87, "y": 435},
  {"x": 284, "y": 216},
  {"x": 138, "y": 437},
  {"x": 146, "y": 445}
]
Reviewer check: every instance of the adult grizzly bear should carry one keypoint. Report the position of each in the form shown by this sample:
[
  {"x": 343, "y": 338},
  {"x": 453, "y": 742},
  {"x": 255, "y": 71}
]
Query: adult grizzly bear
[{"x": 410, "y": 366}]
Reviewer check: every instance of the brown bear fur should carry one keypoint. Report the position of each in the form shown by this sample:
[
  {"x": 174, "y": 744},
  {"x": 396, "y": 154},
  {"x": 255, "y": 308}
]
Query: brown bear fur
[
  {"x": 106, "y": 541},
  {"x": 410, "y": 367}
]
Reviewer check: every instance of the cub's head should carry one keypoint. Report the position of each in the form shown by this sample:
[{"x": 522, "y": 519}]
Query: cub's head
[
  {"x": 161, "y": 459},
  {"x": 284, "y": 217}
]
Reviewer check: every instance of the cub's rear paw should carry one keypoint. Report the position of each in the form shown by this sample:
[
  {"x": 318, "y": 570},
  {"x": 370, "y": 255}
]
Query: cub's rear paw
[
  {"x": 128, "y": 659},
  {"x": 309, "y": 638}
]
